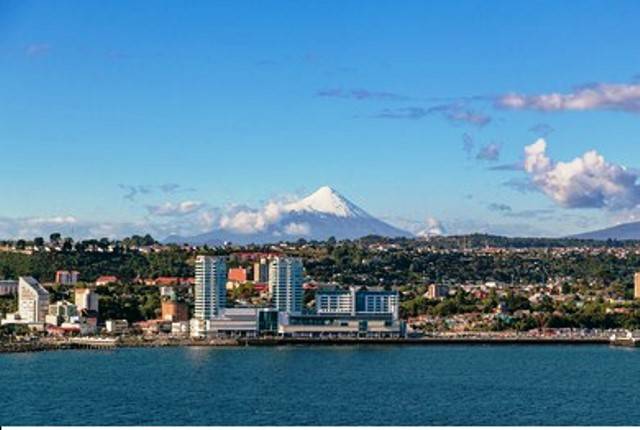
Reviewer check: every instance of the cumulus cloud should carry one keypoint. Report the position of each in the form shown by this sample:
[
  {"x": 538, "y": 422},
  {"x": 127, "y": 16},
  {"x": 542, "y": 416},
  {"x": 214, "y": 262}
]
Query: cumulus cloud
[
  {"x": 246, "y": 220},
  {"x": 174, "y": 209},
  {"x": 297, "y": 228},
  {"x": 30, "y": 227},
  {"x": 586, "y": 182},
  {"x": 432, "y": 227},
  {"x": 600, "y": 96}
]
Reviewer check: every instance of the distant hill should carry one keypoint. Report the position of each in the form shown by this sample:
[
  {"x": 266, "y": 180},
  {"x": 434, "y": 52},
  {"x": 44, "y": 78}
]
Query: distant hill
[
  {"x": 629, "y": 231},
  {"x": 321, "y": 215}
]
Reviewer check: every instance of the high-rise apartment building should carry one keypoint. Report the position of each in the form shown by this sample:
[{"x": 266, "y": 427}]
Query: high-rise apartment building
[
  {"x": 33, "y": 300},
  {"x": 636, "y": 285},
  {"x": 285, "y": 284},
  {"x": 210, "y": 290},
  {"x": 261, "y": 271}
]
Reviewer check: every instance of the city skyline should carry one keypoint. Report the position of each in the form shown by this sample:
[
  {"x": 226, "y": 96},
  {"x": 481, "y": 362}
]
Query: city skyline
[{"x": 116, "y": 126}]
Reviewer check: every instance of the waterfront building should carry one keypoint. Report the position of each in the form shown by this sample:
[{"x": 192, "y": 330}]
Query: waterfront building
[
  {"x": 210, "y": 291},
  {"x": 356, "y": 301},
  {"x": 86, "y": 298},
  {"x": 33, "y": 300},
  {"x": 335, "y": 301},
  {"x": 8, "y": 288},
  {"x": 285, "y": 284},
  {"x": 341, "y": 326},
  {"x": 180, "y": 328},
  {"x": 238, "y": 322},
  {"x": 61, "y": 312},
  {"x": 636, "y": 285},
  {"x": 66, "y": 277},
  {"x": 116, "y": 326},
  {"x": 261, "y": 271},
  {"x": 377, "y": 301}
]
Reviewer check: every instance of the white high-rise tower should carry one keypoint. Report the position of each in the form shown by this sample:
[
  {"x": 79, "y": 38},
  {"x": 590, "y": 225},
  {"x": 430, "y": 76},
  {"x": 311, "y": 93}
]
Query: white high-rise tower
[
  {"x": 285, "y": 283},
  {"x": 210, "y": 289}
]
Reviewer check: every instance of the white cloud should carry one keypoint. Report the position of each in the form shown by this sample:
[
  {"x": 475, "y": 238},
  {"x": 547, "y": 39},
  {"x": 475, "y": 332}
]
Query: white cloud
[
  {"x": 585, "y": 182},
  {"x": 625, "y": 97},
  {"x": 297, "y": 228},
  {"x": 174, "y": 209},
  {"x": 433, "y": 227}
]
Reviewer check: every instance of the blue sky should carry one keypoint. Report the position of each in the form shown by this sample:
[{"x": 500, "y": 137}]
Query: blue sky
[{"x": 238, "y": 103}]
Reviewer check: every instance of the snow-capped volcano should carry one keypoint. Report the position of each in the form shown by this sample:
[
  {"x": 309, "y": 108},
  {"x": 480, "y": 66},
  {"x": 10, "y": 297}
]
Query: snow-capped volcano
[
  {"x": 327, "y": 201},
  {"x": 320, "y": 215}
]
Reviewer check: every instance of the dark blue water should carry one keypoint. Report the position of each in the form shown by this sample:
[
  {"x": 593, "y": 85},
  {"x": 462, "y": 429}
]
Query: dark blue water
[{"x": 372, "y": 385}]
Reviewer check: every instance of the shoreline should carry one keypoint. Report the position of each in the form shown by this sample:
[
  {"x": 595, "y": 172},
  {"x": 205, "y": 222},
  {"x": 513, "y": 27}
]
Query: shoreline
[{"x": 19, "y": 347}]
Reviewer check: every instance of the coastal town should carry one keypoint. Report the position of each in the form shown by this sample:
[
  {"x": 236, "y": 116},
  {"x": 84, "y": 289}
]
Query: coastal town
[{"x": 279, "y": 293}]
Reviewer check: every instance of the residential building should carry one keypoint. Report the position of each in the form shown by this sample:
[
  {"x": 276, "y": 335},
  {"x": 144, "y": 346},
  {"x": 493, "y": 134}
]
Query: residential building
[
  {"x": 377, "y": 301},
  {"x": 8, "y": 288},
  {"x": 435, "y": 291},
  {"x": 210, "y": 291},
  {"x": 168, "y": 291},
  {"x": 62, "y": 311},
  {"x": 335, "y": 301},
  {"x": 106, "y": 280},
  {"x": 285, "y": 284},
  {"x": 86, "y": 298},
  {"x": 67, "y": 277},
  {"x": 261, "y": 271},
  {"x": 636, "y": 285},
  {"x": 33, "y": 300},
  {"x": 356, "y": 301}
]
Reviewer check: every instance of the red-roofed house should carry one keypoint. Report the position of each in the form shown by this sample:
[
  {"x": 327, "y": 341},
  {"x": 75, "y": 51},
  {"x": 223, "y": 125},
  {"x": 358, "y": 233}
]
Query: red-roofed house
[
  {"x": 106, "y": 279},
  {"x": 237, "y": 274}
]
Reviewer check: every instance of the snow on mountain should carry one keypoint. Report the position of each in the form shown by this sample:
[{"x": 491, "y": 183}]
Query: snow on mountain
[
  {"x": 327, "y": 201},
  {"x": 320, "y": 215}
]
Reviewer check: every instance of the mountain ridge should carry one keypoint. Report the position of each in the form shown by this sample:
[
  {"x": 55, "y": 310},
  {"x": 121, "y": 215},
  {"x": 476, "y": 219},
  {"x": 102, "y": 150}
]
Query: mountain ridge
[
  {"x": 626, "y": 231},
  {"x": 324, "y": 213}
]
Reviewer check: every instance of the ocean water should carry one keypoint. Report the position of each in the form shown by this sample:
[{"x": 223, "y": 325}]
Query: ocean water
[{"x": 324, "y": 385}]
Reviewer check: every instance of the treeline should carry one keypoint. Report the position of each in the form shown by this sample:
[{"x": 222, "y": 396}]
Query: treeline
[{"x": 126, "y": 265}]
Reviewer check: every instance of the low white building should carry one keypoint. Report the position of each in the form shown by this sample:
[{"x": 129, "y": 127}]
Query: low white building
[{"x": 116, "y": 326}]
